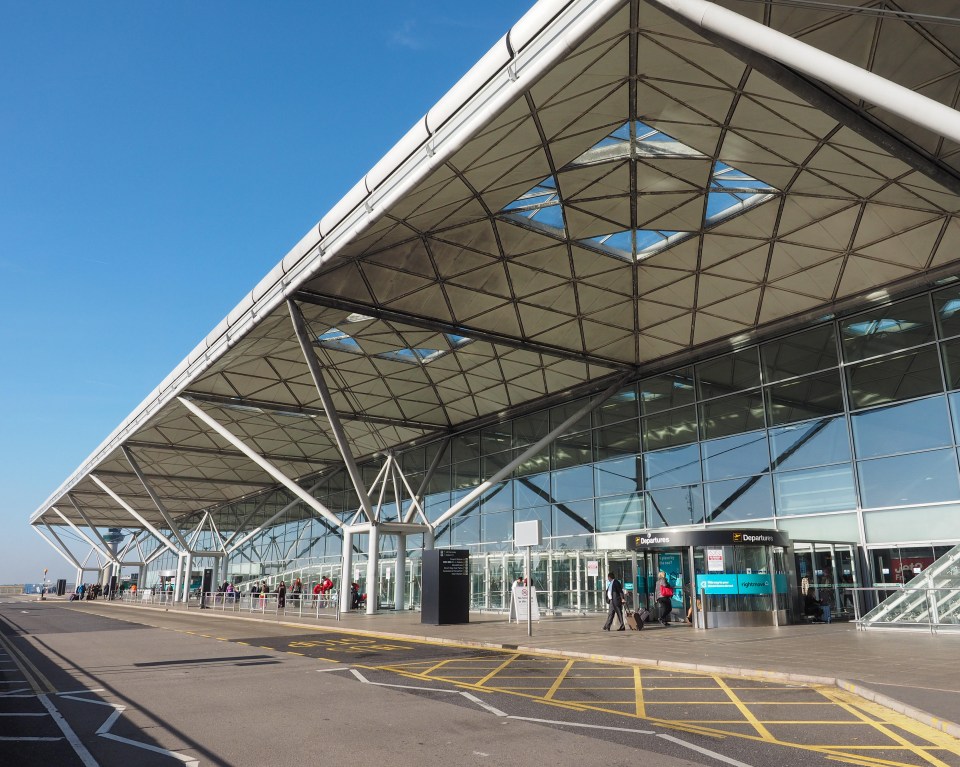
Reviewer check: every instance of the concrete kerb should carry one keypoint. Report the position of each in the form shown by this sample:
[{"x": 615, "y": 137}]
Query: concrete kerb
[{"x": 942, "y": 725}]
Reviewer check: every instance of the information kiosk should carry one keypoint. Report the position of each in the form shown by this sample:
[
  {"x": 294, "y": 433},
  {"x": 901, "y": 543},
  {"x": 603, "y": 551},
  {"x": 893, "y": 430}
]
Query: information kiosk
[{"x": 740, "y": 577}]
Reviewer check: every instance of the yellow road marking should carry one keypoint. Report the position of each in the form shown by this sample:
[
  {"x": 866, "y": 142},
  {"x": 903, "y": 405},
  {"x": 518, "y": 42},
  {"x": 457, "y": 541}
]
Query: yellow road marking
[
  {"x": 747, "y": 713},
  {"x": 499, "y": 668},
  {"x": 638, "y": 688}
]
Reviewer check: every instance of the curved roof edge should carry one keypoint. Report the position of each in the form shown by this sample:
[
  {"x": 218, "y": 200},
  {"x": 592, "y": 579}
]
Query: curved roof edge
[{"x": 542, "y": 36}]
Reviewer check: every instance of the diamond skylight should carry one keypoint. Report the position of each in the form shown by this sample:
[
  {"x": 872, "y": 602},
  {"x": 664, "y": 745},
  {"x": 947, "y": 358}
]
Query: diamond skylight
[
  {"x": 672, "y": 193},
  {"x": 340, "y": 340}
]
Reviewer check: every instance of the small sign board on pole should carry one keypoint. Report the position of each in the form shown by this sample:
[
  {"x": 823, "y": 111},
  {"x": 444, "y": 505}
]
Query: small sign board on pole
[{"x": 520, "y": 601}]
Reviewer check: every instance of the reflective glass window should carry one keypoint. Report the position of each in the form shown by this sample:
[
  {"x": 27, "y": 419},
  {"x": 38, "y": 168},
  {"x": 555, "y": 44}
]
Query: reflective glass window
[
  {"x": 673, "y": 427},
  {"x": 466, "y": 474},
  {"x": 799, "y": 354},
  {"x": 466, "y": 447},
  {"x": 622, "y": 406},
  {"x": 623, "y": 512},
  {"x": 946, "y": 307},
  {"x": 497, "y": 438},
  {"x": 674, "y": 506},
  {"x": 618, "y": 439},
  {"x": 889, "y": 379},
  {"x": 497, "y": 527},
  {"x": 531, "y": 491},
  {"x": 412, "y": 461},
  {"x": 676, "y": 466},
  {"x": 575, "y": 518},
  {"x": 572, "y": 450},
  {"x": 802, "y": 398},
  {"x": 498, "y": 498},
  {"x": 493, "y": 462},
  {"x": 813, "y": 443},
  {"x": 909, "y": 479},
  {"x": 543, "y": 513},
  {"x": 737, "y": 456},
  {"x": 810, "y": 491},
  {"x": 887, "y": 329},
  {"x": 530, "y": 428},
  {"x": 904, "y": 428},
  {"x": 955, "y": 412},
  {"x": 739, "y": 499},
  {"x": 732, "y": 415},
  {"x": 730, "y": 373},
  {"x": 535, "y": 464},
  {"x": 573, "y": 484},
  {"x": 951, "y": 362},
  {"x": 465, "y": 529},
  {"x": 614, "y": 477},
  {"x": 667, "y": 391}
]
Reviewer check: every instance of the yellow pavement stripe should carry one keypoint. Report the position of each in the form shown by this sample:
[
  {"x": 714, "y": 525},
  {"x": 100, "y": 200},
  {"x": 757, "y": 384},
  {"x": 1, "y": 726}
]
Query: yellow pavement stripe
[
  {"x": 747, "y": 713},
  {"x": 499, "y": 668},
  {"x": 881, "y": 727},
  {"x": 638, "y": 692}
]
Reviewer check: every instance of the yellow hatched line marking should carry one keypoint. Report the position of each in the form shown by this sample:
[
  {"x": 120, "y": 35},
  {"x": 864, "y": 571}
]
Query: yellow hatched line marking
[
  {"x": 435, "y": 666},
  {"x": 559, "y": 680},
  {"x": 880, "y": 726},
  {"x": 747, "y": 713},
  {"x": 499, "y": 668}
]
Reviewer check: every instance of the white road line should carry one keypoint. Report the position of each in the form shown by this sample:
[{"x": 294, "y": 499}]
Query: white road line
[
  {"x": 105, "y": 727},
  {"x": 188, "y": 761},
  {"x": 69, "y": 734},
  {"x": 704, "y": 751},
  {"x": 581, "y": 724},
  {"x": 81, "y": 692},
  {"x": 325, "y": 670},
  {"x": 87, "y": 700},
  {"x": 493, "y": 710},
  {"x": 363, "y": 679}
]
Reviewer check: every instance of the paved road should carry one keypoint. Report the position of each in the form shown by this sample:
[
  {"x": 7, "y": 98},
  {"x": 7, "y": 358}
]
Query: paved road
[{"x": 226, "y": 692}]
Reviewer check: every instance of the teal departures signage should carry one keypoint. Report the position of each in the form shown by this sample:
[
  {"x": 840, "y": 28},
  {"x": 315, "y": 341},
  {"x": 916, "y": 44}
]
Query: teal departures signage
[
  {"x": 756, "y": 583},
  {"x": 675, "y": 539}
]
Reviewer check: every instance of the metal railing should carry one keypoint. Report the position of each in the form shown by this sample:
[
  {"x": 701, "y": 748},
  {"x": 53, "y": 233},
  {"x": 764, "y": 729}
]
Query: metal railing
[
  {"x": 269, "y": 603},
  {"x": 915, "y": 607}
]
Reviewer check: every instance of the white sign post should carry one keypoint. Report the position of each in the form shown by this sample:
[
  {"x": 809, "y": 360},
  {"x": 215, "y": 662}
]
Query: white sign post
[{"x": 528, "y": 534}]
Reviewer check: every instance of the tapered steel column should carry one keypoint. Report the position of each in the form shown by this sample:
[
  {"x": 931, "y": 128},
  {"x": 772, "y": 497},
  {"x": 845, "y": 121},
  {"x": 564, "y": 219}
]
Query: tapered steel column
[
  {"x": 373, "y": 569},
  {"x": 346, "y": 575},
  {"x": 178, "y": 579},
  {"x": 187, "y": 576},
  {"x": 399, "y": 595}
]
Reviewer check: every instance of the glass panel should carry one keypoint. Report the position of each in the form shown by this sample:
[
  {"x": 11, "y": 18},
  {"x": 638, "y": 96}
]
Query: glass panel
[
  {"x": 803, "y": 398},
  {"x": 466, "y": 474},
  {"x": 573, "y": 484},
  {"x": 815, "y": 490},
  {"x": 732, "y": 372},
  {"x": 412, "y": 461},
  {"x": 465, "y": 529},
  {"x": 677, "y": 466},
  {"x": 618, "y": 476},
  {"x": 497, "y": 527},
  {"x": 497, "y": 438},
  {"x": 624, "y": 512},
  {"x": 951, "y": 362},
  {"x": 621, "y": 406},
  {"x": 909, "y": 479},
  {"x": 674, "y": 427},
  {"x": 667, "y": 391},
  {"x": 619, "y": 439},
  {"x": 466, "y": 446},
  {"x": 535, "y": 464},
  {"x": 918, "y": 425},
  {"x": 946, "y": 306},
  {"x": 574, "y": 518},
  {"x": 739, "y": 499},
  {"x": 894, "y": 378},
  {"x": 806, "y": 352},
  {"x": 955, "y": 412},
  {"x": 498, "y": 498},
  {"x": 738, "y": 456},
  {"x": 572, "y": 450},
  {"x": 561, "y": 413},
  {"x": 810, "y": 444},
  {"x": 531, "y": 491},
  {"x": 732, "y": 415},
  {"x": 887, "y": 329},
  {"x": 675, "y": 506},
  {"x": 543, "y": 513},
  {"x": 530, "y": 428}
]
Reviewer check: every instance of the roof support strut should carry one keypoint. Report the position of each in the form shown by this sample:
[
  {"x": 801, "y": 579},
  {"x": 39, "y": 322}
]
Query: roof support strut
[
  {"x": 135, "y": 514},
  {"x": 528, "y": 453},
  {"x": 153, "y": 496},
  {"x": 62, "y": 549},
  {"x": 264, "y": 464},
  {"x": 105, "y": 552},
  {"x": 339, "y": 436}
]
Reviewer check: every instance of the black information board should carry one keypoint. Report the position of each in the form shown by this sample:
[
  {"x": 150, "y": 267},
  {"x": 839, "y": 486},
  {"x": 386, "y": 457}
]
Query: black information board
[{"x": 446, "y": 587}]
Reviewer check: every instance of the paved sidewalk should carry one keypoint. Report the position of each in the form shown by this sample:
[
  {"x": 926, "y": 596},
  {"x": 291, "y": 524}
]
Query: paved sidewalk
[{"x": 915, "y": 673}]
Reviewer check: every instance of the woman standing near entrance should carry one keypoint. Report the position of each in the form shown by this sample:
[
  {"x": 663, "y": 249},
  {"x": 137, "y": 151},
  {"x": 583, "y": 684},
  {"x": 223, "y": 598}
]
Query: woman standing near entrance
[{"x": 664, "y": 594}]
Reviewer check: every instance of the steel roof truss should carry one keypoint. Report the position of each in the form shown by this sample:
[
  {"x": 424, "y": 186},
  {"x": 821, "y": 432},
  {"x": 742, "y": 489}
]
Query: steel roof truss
[
  {"x": 153, "y": 496},
  {"x": 263, "y": 463},
  {"x": 63, "y": 551},
  {"x": 340, "y": 437},
  {"x": 85, "y": 518},
  {"x": 104, "y": 551},
  {"x": 135, "y": 514}
]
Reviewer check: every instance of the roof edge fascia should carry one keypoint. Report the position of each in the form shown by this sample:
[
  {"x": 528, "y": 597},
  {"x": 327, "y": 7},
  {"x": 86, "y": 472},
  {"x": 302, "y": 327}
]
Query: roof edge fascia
[{"x": 546, "y": 33}]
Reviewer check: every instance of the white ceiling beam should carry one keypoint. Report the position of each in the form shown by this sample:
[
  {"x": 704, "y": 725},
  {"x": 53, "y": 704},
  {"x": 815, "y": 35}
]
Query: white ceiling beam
[{"x": 135, "y": 514}]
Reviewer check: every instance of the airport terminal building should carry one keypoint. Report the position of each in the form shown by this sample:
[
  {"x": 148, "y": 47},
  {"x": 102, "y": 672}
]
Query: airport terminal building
[{"x": 654, "y": 273}]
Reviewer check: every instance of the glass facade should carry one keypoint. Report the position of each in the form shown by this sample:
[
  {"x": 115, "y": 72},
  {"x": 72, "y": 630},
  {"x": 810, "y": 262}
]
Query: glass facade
[{"x": 856, "y": 415}]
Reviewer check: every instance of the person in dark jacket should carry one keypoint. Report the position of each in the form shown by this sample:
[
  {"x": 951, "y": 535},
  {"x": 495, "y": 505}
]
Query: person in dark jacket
[
  {"x": 615, "y": 602},
  {"x": 664, "y": 594}
]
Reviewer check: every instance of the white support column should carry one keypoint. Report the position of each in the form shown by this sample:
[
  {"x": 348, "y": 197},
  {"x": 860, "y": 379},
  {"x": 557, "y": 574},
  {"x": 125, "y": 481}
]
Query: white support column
[
  {"x": 346, "y": 576},
  {"x": 813, "y": 62},
  {"x": 62, "y": 552},
  {"x": 187, "y": 576},
  {"x": 339, "y": 435},
  {"x": 105, "y": 553},
  {"x": 264, "y": 464},
  {"x": 79, "y": 576},
  {"x": 153, "y": 496},
  {"x": 399, "y": 597},
  {"x": 373, "y": 569},
  {"x": 178, "y": 579},
  {"x": 93, "y": 528},
  {"x": 134, "y": 513}
]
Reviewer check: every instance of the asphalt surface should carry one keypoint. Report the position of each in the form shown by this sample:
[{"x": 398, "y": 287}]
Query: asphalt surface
[{"x": 216, "y": 690}]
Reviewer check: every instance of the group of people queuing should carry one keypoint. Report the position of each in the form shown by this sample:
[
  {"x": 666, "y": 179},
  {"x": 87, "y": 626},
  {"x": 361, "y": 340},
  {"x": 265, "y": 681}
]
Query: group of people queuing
[{"x": 90, "y": 591}]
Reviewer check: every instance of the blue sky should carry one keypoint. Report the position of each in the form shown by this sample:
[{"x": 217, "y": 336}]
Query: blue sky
[{"x": 156, "y": 160}]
